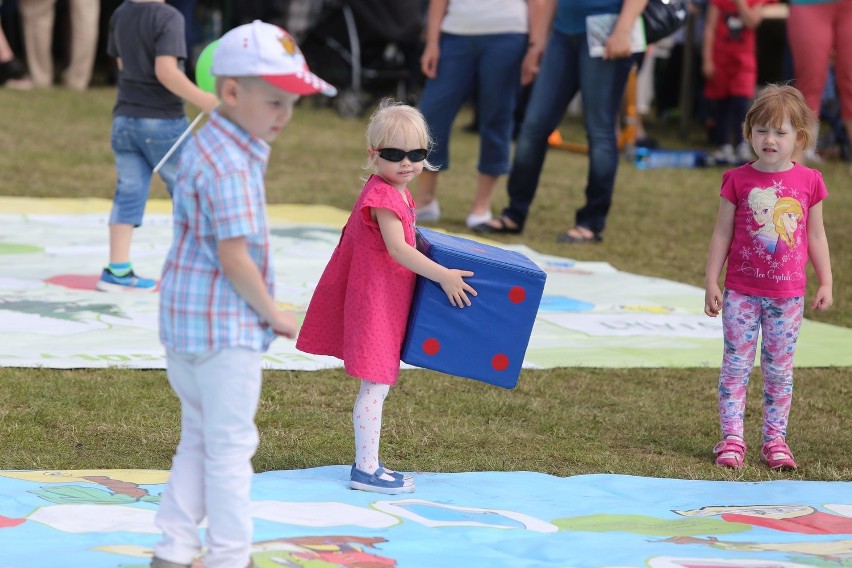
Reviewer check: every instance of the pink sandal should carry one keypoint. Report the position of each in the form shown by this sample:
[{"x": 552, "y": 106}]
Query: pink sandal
[
  {"x": 777, "y": 455},
  {"x": 730, "y": 452}
]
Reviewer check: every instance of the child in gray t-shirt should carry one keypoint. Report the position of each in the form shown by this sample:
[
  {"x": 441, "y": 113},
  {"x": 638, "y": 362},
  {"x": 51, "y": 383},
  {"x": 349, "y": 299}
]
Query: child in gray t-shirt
[{"x": 147, "y": 39}]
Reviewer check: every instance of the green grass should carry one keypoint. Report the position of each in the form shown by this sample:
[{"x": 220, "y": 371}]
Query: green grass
[{"x": 565, "y": 421}]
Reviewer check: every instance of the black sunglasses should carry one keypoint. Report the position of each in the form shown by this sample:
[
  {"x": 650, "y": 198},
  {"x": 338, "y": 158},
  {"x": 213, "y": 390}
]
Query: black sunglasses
[{"x": 397, "y": 155}]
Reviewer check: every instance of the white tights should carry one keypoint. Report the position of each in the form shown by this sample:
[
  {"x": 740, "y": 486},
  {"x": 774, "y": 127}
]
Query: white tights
[{"x": 367, "y": 420}]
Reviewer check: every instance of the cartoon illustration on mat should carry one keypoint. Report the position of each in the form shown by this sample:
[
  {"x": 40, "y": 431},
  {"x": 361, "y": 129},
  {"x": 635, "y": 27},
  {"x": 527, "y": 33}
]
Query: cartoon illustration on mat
[
  {"x": 332, "y": 551},
  {"x": 802, "y": 519},
  {"x": 837, "y": 553},
  {"x": 104, "y": 519},
  {"x": 320, "y": 552}
]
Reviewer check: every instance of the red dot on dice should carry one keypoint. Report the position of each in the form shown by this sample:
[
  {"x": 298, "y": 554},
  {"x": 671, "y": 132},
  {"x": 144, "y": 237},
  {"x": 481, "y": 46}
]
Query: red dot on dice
[
  {"x": 431, "y": 346},
  {"x": 500, "y": 362},
  {"x": 517, "y": 294}
]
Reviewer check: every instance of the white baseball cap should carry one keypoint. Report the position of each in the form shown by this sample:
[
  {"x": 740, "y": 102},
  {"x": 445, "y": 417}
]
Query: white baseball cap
[{"x": 264, "y": 50}]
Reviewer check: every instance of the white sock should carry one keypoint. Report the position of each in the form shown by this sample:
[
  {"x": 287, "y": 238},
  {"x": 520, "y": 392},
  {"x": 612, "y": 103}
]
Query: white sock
[{"x": 367, "y": 421}]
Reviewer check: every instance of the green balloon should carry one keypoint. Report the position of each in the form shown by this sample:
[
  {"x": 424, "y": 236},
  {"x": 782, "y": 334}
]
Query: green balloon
[{"x": 203, "y": 78}]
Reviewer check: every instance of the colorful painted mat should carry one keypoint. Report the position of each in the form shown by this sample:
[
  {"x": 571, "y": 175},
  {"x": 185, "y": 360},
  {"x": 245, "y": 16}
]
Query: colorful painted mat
[
  {"x": 308, "y": 518},
  {"x": 592, "y": 315}
]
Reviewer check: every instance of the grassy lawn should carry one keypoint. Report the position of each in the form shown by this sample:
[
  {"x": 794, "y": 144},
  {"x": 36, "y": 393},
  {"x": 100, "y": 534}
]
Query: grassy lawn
[{"x": 565, "y": 421}]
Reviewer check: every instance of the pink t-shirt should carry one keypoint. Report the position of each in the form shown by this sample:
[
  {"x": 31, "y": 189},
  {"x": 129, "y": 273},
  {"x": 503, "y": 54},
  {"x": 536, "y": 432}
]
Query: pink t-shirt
[{"x": 769, "y": 249}]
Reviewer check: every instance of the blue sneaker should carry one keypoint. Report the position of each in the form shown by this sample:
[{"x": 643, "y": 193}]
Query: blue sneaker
[
  {"x": 109, "y": 282},
  {"x": 374, "y": 483},
  {"x": 394, "y": 474}
]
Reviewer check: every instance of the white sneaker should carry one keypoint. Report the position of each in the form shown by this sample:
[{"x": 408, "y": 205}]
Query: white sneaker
[
  {"x": 744, "y": 152},
  {"x": 811, "y": 157},
  {"x": 475, "y": 219},
  {"x": 724, "y": 155},
  {"x": 430, "y": 212}
]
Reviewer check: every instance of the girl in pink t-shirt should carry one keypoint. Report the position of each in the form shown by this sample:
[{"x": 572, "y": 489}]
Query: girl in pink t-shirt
[
  {"x": 769, "y": 224},
  {"x": 359, "y": 309}
]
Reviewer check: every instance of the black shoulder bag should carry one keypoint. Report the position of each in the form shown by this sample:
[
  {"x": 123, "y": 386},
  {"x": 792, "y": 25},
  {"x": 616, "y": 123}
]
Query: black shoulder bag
[{"x": 662, "y": 18}]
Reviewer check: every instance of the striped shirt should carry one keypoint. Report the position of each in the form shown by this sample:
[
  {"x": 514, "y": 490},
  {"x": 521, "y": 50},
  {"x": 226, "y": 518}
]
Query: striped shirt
[{"x": 219, "y": 194}]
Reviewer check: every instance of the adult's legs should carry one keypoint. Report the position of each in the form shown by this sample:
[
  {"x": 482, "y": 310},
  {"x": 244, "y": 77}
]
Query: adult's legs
[
  {"x": 481, "y": 205},
  {"x": 602, "y": 86},
  {"x": 843, "y": 59},
  {"x": 811, "y": 41},
  {"x": 556, "y": 84},
  {"x": 38, "y": 18},
  {"x": 442, "y": 98},
  {"x": 499, "y": 83},
  {"x": 84, "y": 42}
]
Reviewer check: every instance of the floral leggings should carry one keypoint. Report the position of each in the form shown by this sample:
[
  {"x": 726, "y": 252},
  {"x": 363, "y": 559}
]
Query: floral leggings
[{"x": 779, "y": 319}]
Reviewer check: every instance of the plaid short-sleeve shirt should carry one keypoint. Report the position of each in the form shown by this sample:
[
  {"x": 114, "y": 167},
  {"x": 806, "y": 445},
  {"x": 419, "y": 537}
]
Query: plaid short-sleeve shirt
[{"x": 219, "y": 194}]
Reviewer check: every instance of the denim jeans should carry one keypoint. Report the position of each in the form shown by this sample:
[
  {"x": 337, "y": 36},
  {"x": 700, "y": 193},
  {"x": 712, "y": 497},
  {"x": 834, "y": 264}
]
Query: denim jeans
[
  {"x": 493, "y": 62},
  {"x": 139, "y": 144},
  {"x": 567, "y": 68}
]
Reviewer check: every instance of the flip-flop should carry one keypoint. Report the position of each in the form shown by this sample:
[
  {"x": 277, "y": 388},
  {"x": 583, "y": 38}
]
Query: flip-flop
[
  {"x": 566, "y": 238},
  {"x": 502, "y": 227}
]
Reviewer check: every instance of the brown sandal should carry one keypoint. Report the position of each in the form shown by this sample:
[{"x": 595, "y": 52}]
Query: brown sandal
[
  {"x": 579, "y": 236},
  {"x": 501, "y": 227}
]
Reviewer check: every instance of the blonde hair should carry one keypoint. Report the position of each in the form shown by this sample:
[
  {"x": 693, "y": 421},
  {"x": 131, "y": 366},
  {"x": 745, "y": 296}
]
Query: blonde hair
[
  {"x": 394, "y": 119},
  {"x": 786, "y": 205},
  {"x": 774, "y": 104}
]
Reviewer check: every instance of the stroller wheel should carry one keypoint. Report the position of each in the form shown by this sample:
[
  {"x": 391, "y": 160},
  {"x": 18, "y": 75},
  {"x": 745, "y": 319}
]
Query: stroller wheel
[{"x": 349, "y": 104}]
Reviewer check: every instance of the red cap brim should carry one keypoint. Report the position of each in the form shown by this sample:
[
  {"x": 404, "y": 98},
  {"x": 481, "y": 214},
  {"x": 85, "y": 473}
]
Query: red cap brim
[{"x": 307, "y": 84}]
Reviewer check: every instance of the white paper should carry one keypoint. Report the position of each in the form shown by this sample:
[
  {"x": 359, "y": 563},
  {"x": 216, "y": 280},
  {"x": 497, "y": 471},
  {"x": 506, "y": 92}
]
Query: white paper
[{"x": 599, "y": 27}]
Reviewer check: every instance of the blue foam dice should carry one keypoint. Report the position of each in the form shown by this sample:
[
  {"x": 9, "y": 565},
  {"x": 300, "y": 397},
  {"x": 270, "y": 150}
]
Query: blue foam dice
[{"x": 487, "y": 340}]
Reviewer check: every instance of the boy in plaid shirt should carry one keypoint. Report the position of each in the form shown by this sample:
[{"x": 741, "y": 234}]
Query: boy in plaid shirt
[{"x": 217, "y": 308}]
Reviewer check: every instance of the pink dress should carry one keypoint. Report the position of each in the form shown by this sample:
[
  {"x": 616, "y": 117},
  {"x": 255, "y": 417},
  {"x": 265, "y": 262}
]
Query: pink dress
[{"x": 359, "y": 309}]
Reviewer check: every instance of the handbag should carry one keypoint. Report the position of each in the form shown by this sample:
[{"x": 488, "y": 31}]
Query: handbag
[{"x": 662, "y": 18}]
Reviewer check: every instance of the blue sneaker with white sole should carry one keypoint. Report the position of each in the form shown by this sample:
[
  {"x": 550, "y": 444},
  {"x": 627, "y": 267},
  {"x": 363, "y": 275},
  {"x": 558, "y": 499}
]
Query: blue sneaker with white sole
[
  {"x": 109, "y": 282},
  {"x": 374, "y": 483},
  {"x": 394, "y": 474}
]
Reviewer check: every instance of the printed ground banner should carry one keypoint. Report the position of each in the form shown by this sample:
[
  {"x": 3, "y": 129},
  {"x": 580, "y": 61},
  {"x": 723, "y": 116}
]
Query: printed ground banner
[
  {"x": 309, "y": 518},
  {"x": 591, "y": 315}
]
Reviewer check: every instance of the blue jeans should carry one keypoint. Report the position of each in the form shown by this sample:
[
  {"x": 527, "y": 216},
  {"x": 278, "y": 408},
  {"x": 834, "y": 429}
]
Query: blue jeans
[
  {"x": 493, "y": 62},
  {"x": 567, "y": 68},
  {"x": 139, "y": 144}
]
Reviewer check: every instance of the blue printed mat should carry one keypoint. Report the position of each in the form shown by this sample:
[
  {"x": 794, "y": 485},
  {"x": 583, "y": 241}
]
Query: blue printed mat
[{"x": 309, "y": 518}]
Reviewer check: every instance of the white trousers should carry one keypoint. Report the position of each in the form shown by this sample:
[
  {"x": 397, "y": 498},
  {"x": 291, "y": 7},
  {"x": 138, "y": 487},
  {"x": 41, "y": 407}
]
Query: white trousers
[{"x": 211, "y": 472}]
